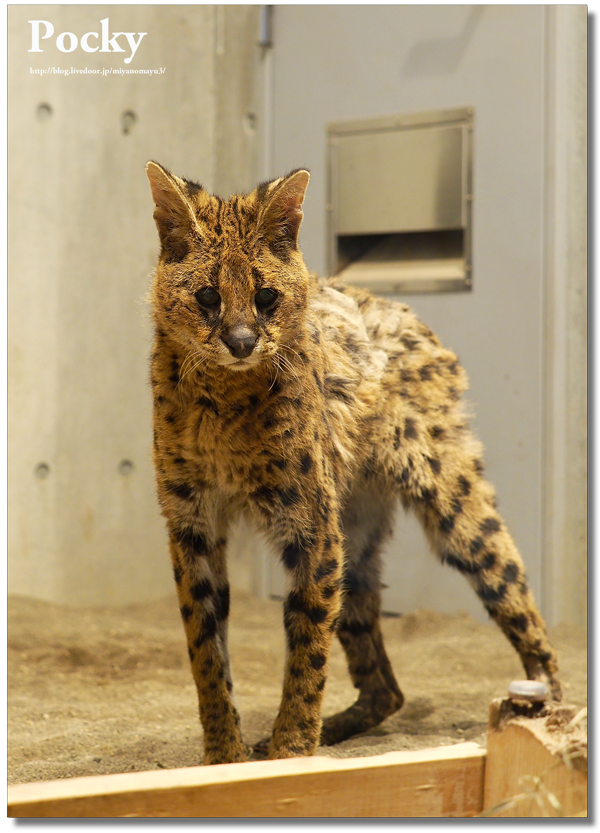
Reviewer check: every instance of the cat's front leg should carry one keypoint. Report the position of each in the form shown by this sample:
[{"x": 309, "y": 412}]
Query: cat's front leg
[
  {"x": 310, "y": 612},
  {"x": 200, "y": 573}
]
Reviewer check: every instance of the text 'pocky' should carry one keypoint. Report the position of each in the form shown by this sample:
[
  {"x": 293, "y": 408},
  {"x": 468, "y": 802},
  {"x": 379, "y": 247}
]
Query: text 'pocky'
[{"x": 68, "y": 42}]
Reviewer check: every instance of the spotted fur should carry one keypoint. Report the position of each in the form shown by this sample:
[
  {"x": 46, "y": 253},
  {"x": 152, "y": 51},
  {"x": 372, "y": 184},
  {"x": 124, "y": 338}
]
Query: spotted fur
[{"x": 312, "y": 408}]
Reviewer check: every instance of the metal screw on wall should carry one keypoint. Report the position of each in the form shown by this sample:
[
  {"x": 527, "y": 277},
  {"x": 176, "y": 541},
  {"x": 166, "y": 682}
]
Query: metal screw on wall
[
  {"x": 43, "y": 112},
  {"x": 125, "y": 467},
  {"x": 42, "y": 470},
  {"x": 128, "y": 119}
]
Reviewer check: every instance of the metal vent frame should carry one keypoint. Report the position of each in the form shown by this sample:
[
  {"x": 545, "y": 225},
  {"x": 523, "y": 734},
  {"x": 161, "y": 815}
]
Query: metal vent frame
[{"x": 380, "y": 242}]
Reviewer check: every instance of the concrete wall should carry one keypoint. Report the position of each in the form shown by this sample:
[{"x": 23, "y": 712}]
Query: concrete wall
[
  {"x": 565, "y": 429},
  {"x": 83, "y": 521}
]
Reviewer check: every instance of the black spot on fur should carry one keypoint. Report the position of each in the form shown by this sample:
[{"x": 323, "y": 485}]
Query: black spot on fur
[
  {"x": 296, "y": 604},
  {"x": 179, "y": 461},
  {"x": 292, "y": 555},
  {"x": 330, "y": 590},
  {"x": 437, "y": 432},
  {"x": 325, "y": 569},
  {"x": 222, "y": 603},
  {"x": 464, "y": 484},
  {"x": 490, "y": 595},
  {"x": 318, "y": 381},
  {"x": 519, "y": 622},
  {"x": 408, "y": 342},
  {"x": 489, "y": 525},
  {"x": 460, "y": 564},
  {"x": 435, "y": 464},
  {"x": 201, "y": 590},
  {"x": 476, "y": 545},
  {"x": 186, "y": 612},
  {"x": 489, "y": 561},
  {"x": 317, "y": 660},
  {"x": 209, "y": 629},
  {"x": 305, "y": 463},
  {"x": 425, "y": 372},
  {"x": 447, "y": 523},
  {"x": 177, "y": 574},
  {"x": 429, "y": 496},
  {"x": 365, "y": 670},
  {"x": 355, "y": 628},
  {"x": 510, "y": 573},
  {"x": 396, "y": 438},
  {"x": 478, "y": 467},
  {"x": 456, "y": 506},
  {"x": 289, "y": 497},
  {"x": 182, "y": 490},
  {"x": 410, "y": 429},
  {"x": 191, "y": 541}
]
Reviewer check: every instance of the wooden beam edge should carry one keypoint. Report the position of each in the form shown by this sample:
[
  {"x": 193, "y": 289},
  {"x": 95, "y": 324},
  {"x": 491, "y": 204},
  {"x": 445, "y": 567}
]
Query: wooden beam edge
[{"x": 48, "y": 798}]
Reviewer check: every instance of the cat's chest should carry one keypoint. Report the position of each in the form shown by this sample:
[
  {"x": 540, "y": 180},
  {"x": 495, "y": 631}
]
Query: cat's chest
[{"x": 241, "y": 446}]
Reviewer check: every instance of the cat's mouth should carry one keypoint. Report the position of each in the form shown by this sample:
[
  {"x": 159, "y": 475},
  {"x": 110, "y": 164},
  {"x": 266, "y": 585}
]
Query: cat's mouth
[{"x": 241, "y": 364}]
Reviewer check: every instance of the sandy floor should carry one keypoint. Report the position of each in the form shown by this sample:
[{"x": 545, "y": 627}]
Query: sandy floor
[{"x": 109, "y": 690}]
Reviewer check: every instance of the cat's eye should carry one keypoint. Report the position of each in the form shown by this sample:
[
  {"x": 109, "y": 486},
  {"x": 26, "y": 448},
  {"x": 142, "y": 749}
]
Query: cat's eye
[
  {"x": 208, "y": 297},
  {"x": 265, "y": 298}
]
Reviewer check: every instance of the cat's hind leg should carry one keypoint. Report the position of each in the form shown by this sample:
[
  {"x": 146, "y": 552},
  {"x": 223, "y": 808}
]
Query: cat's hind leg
[
  {"x": 367, "y": 522},
  {"x": 440, "y": 476}
]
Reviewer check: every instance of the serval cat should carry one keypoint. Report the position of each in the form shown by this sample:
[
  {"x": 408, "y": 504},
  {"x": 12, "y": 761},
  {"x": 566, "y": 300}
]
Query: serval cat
[{"x": 312, "y": 408}]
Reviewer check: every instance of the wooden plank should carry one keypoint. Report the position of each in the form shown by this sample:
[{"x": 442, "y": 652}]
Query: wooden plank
[
  {"x": 535, "y": 766},
  {"x": 432, "y": 783}
]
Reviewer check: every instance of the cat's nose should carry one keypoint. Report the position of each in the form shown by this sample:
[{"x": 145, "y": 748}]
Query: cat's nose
[{"x": 241, "y": 341}]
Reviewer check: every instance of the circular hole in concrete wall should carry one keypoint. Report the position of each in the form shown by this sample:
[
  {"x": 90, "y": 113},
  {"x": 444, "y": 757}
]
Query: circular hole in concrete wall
[
  {"x": 42, "y": 470},
  {"x": 128, "y": 119},
  {"x": 250, "y": 123},
  {"x": 125, "y": 467},
  {"x": 43, "y": 112}
]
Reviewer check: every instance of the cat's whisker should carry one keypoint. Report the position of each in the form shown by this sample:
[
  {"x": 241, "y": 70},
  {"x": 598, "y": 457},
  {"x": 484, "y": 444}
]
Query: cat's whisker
[
  {"x": 287, "y": 365},
  {"x": 295, "y": 352}
]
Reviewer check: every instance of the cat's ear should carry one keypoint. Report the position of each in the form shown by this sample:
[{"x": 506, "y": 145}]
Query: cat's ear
[
  {"x": 280, "y": 219},
  {"x": 173, "y": 214}
]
